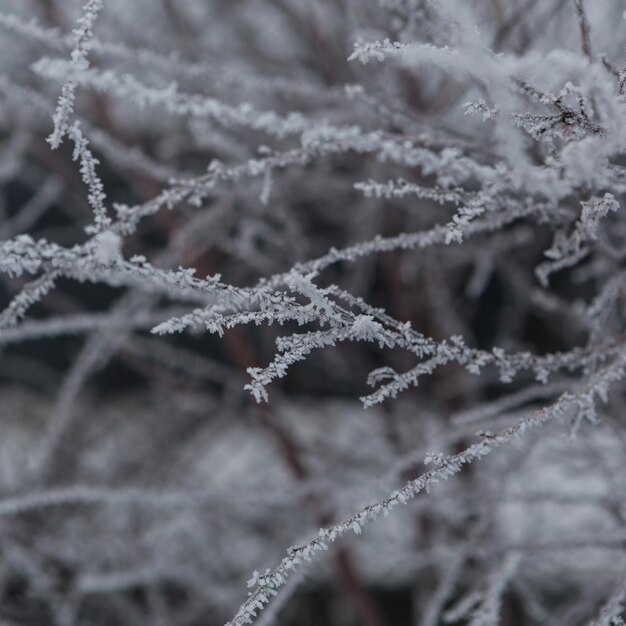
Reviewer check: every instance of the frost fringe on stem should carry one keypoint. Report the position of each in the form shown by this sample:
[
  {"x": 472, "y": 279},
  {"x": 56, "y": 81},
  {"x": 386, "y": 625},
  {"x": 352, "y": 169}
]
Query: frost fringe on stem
[
  {"x": 266, "y": 585},
  {"x": 502, "y": 172},
  {"x": 63, "y": 126}
]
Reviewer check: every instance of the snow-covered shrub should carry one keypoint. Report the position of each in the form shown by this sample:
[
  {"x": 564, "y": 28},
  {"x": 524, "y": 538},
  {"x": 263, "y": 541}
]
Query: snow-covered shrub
[{"x": 224, "y": 222}]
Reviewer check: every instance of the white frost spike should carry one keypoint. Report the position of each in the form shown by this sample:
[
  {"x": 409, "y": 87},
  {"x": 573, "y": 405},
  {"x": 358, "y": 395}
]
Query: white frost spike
[
  {"x": 366, "y": 328},
  {"x": 108, "y": 250}
]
